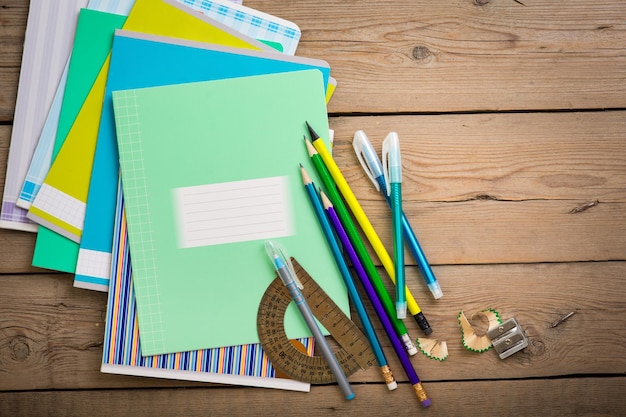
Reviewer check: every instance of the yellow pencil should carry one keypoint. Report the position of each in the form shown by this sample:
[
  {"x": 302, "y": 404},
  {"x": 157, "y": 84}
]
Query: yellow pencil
[{"x": 364, "y": 222}]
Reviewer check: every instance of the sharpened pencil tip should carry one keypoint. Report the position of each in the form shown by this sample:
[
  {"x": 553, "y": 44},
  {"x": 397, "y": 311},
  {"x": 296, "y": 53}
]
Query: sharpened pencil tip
[
  {"x": 305, "y": 176},
  {"x": 325, "y": 200},
  {"x": 314, "y": 135},
  {"x": 310, "y": 148}
]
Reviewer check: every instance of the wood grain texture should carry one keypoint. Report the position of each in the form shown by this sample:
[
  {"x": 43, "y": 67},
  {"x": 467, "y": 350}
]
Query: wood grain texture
[
  {"x": 487, "y": 188},
  {"x": 397, "y": 56},
  {"x": 584, "y": 397},
  {"x": 480, "y": 188},
  {"x": 8, "y": 92},
  {"x": 13, "y": 15},
  {"x": 511, "y": 116},
  {"x": 51, "y": 333},
  {"x": 507, "y": 157},
  {"x": 461, "y": 55},
  {"x": 16, "y": 251}
]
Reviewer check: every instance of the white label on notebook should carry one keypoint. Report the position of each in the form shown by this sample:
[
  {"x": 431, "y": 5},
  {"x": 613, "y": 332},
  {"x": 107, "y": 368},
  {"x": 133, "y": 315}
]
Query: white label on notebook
[{"x": 229, "y": 212}]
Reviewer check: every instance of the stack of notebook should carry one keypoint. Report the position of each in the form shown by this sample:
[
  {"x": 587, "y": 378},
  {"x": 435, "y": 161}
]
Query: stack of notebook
[{"x": 173, "y": 137}]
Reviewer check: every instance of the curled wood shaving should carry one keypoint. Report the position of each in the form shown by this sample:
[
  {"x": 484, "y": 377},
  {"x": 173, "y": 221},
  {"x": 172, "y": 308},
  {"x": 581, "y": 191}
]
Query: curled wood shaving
[
  {"x": 433, "y": 348},
  {"x": 472, "y": 341}
]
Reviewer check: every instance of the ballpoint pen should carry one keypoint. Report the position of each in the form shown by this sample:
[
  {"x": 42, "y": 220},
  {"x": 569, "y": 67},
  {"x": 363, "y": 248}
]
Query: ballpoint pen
[
  {"x": 348, "y": 280},
  {"x": 285, "y": 271},
  {"x": 392, "y": 170},
  {"x": 373, "y": 169},
  {"x": 366, "y": 226}
]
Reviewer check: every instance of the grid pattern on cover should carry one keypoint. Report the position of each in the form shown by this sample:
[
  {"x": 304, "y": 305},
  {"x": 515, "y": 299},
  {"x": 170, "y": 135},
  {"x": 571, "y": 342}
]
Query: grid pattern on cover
[
  {"x": 253, "y": 23},
  {"x": 242, "y": 365},
  {"x": 49, "y": 33},
  {"x": 135, "y": 190},
  {"x": 97, "y": 231},
  {"x": 43, "y": 153}
]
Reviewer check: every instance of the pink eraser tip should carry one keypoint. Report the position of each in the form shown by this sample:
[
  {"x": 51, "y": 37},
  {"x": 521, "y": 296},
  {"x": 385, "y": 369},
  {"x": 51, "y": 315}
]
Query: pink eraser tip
[{"x": 426, "y": 402}]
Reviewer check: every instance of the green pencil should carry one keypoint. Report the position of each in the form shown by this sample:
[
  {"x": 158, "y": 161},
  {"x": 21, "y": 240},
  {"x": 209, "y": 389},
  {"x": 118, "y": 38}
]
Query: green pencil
[{"x": 359, "y": 246}]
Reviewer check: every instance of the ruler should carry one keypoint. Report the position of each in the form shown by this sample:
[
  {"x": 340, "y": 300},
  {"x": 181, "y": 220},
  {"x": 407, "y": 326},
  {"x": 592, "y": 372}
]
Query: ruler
[{"x": 353, "y": 353}]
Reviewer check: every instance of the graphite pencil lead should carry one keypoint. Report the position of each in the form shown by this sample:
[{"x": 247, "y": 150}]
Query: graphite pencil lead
[
  {"x": 314, "y": 135},
  {"x": 325, "y": 200},
  {"x": 305, "y": 176},
  {"x": 310, "y": 148}
]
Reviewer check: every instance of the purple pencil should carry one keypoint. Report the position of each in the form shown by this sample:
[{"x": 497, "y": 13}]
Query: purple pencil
[{"x": 378, "y": 307}]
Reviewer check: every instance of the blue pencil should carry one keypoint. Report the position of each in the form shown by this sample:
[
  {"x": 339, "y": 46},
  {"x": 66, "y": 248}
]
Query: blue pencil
[
  {"x": 345, "y": 273},
  {"x": 378, "y": 307}
]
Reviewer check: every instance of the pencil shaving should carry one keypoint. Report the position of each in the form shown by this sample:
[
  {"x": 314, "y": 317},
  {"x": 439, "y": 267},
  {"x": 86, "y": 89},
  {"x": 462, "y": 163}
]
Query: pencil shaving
[
  {"x": 492, "y": 316},
  {"x": 433, "y": 348},
  {"x": 472, "y": 340}
]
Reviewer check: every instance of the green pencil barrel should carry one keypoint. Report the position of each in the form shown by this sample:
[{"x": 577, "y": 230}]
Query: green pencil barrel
[{"x": 359, "y": 247}]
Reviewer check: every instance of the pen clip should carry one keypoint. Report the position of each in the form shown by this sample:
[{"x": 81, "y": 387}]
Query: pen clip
[
  {"x": 367, "y": 156},
  {"x": 385, "y": 158},
  {"x": 275, "y": 249},
  {"x": 391, "y": 149}
]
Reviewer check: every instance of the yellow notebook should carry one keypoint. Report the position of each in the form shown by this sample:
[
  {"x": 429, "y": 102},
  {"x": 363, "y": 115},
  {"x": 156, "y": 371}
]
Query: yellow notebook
[{"x": 61, "y": 202}]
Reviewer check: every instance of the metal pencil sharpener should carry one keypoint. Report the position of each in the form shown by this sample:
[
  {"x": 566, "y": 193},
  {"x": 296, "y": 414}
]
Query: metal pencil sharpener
[{"x": 508, "y": 338}]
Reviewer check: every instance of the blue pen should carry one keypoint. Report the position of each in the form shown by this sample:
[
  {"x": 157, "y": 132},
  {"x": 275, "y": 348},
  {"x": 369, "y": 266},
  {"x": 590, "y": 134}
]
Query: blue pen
[
  {"x": 285, "y": 271},
  {"x": 371, "y": 165},
  {"x": 392, "y": 170}
]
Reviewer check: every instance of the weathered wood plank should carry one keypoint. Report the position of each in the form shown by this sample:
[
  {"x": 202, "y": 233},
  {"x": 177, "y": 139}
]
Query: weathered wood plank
[
  {"x": 484, "y": 231},
  {"x": 17, "y": 252},
  {"x": 13, "y": 15},
  {"x": 51, "y": 333},
  {"x": 399, "y": 56},
  {"x": 486, "y": 188},
  {"x": 526, "y": 156},
  {"x": 479, "y": 188},
  {"x": 467, "y": 55},
  {"x": 8, "y": 92},
  {"x": 472, "y": 232},
  {"x": 588, "y": 397},
  {"x": 17, "y": 247}
]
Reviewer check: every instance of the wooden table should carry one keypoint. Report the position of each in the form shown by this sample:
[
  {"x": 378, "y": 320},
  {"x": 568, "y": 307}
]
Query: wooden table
[{"x": 512, "y": 119}]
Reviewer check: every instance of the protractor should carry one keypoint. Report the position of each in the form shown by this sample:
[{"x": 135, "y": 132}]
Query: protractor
[{"x": 353, "y": 352}]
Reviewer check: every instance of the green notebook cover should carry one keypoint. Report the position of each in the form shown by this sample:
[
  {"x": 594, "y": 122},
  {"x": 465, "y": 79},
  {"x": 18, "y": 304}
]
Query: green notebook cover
[
  {"x": 210, "y": 170},
  {"x": 92, "y": 44}
]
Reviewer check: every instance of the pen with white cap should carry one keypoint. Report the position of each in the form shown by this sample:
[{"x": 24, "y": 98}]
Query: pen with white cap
[
  {"x": 392, "y": 171},
  {"x": 373, "y": 168}
]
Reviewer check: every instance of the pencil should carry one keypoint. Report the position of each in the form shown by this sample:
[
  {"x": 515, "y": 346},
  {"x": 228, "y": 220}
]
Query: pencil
[
  {"x": 348, "y": 280},
  {"x": 393, "y": 337},
  {"x": 372, "y": 272},
  {"x": 366, "y": 225}
]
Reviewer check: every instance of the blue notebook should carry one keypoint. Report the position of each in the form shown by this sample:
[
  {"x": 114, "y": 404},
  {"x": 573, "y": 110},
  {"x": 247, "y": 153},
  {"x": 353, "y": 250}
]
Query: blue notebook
[{"x": 140, "y": 60}]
